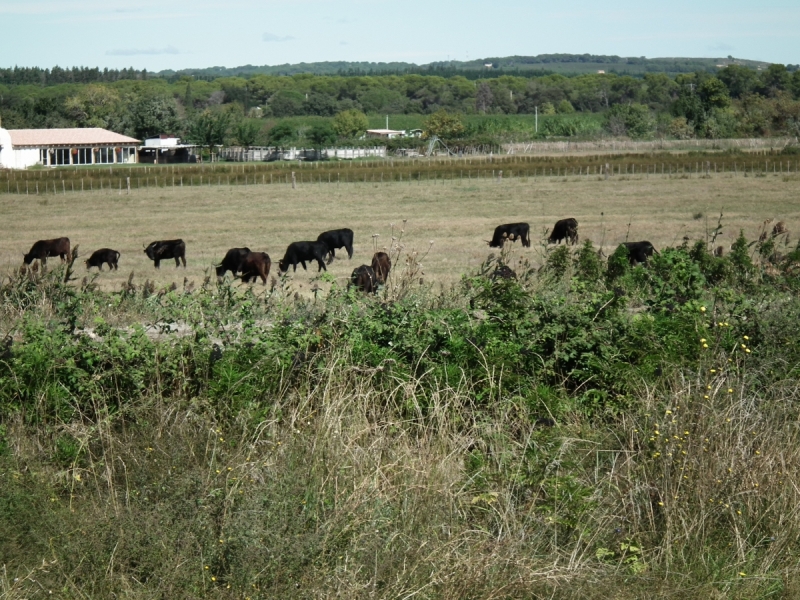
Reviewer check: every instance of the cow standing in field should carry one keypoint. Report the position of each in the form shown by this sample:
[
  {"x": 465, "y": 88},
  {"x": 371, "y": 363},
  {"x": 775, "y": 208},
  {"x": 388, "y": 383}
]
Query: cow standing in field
[
  {"x": 639, "y": 252},
  {"x": 104, "y": 255},
  {"x": 364, "y": 279},
  {"x": 513, "y": 232},
  {"x": 564, "y": 229},
  {"x": 337, "y": 238},
  {"x": 232, "y": 262},
  {"x": 381, "y": 265},
  {"x": 300, "y": 252},
  {"x": 162, "y": 250},
  {"x": 46, "y": 248},
  {"x": 254, "y": 265}
]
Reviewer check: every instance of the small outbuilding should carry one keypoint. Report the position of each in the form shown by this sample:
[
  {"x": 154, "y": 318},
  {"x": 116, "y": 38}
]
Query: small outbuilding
[
  {"x": 385, "y": 133},
  {"x": 167, "y": 149},
  {"x": 23, "y": 148}
]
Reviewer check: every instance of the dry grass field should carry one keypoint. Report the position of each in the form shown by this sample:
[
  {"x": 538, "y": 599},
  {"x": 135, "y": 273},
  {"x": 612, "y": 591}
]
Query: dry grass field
[{"x": 456, "y": 215}]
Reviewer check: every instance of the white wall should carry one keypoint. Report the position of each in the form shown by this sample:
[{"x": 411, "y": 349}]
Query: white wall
[{"x": 11, "y": 158}]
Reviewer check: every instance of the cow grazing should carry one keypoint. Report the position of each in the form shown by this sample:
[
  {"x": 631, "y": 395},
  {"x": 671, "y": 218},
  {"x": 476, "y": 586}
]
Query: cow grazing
[
  {"x": 639, "y": 252},
  {"x": 104, "y": 255},
  {"x": 300, "y": 252},
  {"x": 719, "y": 251},
  {"x": 46, "y": 248},
  {"x": 381, "y": 265},
  {"x": 162, "y": 250},
  {"x": 337, "y": 238},
  {"x": 503, "y": 272},
  {"x": 364, "y": 279},
  {"x": 513, "y": 232},
  {"x": 232, "y": 262},
  {"x": 254, "y": 265},
  {"x": 779, "y": 229},
  {"x": 564, "y": 229}
]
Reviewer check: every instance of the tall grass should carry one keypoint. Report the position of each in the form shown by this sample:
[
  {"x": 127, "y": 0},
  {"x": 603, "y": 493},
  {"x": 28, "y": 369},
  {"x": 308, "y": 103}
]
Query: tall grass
[{"x": 283, "y": 450}]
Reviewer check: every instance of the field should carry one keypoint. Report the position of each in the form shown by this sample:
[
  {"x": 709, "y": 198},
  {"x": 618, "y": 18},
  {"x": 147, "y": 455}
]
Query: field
[
  {"x": 456, "y": 215},
  {"x": 586, "y": 430}
]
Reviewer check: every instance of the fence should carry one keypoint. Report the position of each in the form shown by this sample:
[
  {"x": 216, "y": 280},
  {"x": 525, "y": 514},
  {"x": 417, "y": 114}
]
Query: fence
[
  {"x": 271, "y": 154},
  {"x": 635, "y": 147}
]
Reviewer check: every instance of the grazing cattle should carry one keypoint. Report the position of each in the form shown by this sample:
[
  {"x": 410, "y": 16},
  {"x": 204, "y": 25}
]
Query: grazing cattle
[
  {"x": 779, "y": 229},
  {"x": 45, "y": 248},
  {"x": 164, "y": 249},
  {"x": 104, "y": 255},
  {"x": 719, "y": 251},
  {"x": 639, "y": 252},
  {"x": 256, "y": 264},
  {"x": 364, "y": 279},
  {"x": 503, "y": 272},
  {"x": 381, "y": 265},
  {"x": 232, "y": 262},
  {"x": 300, "y": 252},
  {"x": 337, "y": 238},
  {"x": 511, "y": 231},
  {"x": 565, "y": 229}
]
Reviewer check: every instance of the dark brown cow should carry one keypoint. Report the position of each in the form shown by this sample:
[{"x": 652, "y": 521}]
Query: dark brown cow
[
  {"x": 161, "y": 250},
  {"x": 512, "y": 232},
  {"x": 639, "y": 252},
  {"x": 232, "y": 262},
  {"x": 45, "y": 248},
  {"x": 564, "y": 229},
  {"x": 364, "y": 279},
  {"x": 254, "y": 265},
  {"x": 104, "y": 255},
  {"x": 381, "y": 265},
  {"x": 779, "y": 229},
  {"x": 300, "y": 252},
  {"x": 337, "y": 238}
]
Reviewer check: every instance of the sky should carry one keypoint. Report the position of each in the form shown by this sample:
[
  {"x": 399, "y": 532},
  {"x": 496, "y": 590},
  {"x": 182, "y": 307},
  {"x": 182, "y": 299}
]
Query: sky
[{"x": 157, "y": 34}]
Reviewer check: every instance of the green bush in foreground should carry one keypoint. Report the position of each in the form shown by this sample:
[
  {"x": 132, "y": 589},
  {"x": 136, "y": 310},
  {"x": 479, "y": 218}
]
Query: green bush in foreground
[{"x": 585, "y": 430}]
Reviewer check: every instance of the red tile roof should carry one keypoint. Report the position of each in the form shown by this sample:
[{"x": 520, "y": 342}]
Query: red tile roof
[{"x": 67, "y": 137}]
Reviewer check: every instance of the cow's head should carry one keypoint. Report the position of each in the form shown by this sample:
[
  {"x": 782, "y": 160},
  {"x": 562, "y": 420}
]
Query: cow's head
[
  {"x": 27, "y": 258},
  {"x": 151, "y": 251},
  {"x": 283, "y": 265}
]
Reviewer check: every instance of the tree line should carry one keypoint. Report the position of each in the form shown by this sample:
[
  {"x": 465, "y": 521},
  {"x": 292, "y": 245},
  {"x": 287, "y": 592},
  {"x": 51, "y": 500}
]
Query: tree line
[{"x": 734, "y": 101}]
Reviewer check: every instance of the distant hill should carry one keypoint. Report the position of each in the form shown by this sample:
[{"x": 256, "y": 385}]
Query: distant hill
[{"x": 543, "y": 64}]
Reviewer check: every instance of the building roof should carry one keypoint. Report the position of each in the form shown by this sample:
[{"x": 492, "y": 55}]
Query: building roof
[{"x": 67, "y": 137}]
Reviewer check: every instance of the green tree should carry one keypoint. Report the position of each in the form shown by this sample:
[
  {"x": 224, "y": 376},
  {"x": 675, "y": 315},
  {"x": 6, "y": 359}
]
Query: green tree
[
  {"x": 444, "y": 125},
  {"x": 350, "y": 123},
  {"x": 281, "y": 134},
  {"x": 713, "y": 94},
  {"x": 246, "y": 133},
  {"x": 153, "y": 115},
  {"x": 96, "y": 106},
  {"x": 210, "y": 128},
  {"x": 739, "y": 80},
  {"x": 322, "y": 134},
  {"x": 633, "y": 120},
  {"x": 287, "y": 103}
]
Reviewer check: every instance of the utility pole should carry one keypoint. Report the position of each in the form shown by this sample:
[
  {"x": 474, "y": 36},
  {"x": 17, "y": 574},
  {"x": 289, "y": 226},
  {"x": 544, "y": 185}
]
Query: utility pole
[{"x": 536, "y": 120}]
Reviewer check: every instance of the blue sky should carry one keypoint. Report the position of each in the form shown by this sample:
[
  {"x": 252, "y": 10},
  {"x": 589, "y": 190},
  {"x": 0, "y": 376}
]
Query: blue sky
[{"x": 158, "y": 34}]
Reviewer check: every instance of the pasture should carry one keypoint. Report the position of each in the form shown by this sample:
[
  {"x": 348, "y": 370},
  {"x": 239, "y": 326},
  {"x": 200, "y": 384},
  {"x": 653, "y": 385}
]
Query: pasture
[{"x": 458, "y": 216}]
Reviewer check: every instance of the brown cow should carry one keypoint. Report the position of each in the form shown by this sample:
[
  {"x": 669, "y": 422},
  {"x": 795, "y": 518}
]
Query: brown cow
[
  {"x": 779, "y": 229},
  {"x": 104, "y": 255},
  {"x": 381, "y": 265},
  {"x": 364, "y": 279},
  {"x": 256, "y": 264},
  {"x": 564, "y": 229},
  {"x": 44, "y": 248}
]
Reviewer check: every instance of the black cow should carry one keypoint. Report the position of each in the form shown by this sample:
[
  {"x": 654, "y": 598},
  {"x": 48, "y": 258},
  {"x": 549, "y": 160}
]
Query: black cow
[
  {"x": 44, "y": 248},
  {"x": 639, "y": 252},
  {"x": 232, "y": 262},
  {"x": 381, "y": 265},
  {"x": 104, "y": 255},
  {"x": 161, "y": 250},
  {"x": 513, "y": 232},
  {"x": 337, "y": 238},
  {"x": 364, "y": 279},
  {"x": 300, "y": 252},
  {"x": 565, "y": 229},
  {"x": 254, "y": 265}
]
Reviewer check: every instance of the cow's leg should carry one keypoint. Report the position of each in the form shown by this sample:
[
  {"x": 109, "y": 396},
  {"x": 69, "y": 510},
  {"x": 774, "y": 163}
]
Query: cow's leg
[
  {"x": 349, "y": 251},
  {"x": 303, "y": 262},
  {"x": 183, "y": 259},
  {"x": 157, "y": 262}
]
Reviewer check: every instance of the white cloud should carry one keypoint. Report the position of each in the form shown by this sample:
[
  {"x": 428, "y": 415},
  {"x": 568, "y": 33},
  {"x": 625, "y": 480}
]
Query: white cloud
[{"x": 271, "y": 37}]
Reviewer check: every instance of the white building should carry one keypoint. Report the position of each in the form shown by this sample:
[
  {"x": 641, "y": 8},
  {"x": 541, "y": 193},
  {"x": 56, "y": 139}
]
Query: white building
[
  {"x": 23, "y": 148},
  {"x": 385, "y": 133}
]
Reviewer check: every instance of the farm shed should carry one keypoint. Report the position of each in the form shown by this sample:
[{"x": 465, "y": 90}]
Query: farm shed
[
  {"x": 167, "y": 149},
  {"x": 23, "y": 148}
]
